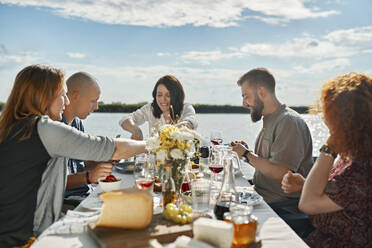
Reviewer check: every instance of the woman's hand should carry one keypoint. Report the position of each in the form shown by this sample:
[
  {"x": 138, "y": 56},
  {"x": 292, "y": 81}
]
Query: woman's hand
[
  {"x": 292, "y": 182},
  {"x": 137, "y": 136}
]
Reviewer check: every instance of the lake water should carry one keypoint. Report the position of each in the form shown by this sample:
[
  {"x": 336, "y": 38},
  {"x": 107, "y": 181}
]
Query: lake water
[{"x": 232, "y": 126}]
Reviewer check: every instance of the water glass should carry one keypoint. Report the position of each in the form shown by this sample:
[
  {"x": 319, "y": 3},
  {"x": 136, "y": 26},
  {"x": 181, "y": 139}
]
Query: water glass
[
  {"x": 144, "y": 173},
  {"x": 200, "y": 194}
]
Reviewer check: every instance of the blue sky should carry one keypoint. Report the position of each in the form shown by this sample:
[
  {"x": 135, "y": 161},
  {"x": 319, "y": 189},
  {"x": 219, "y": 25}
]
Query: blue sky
[{"x": 127, "y": 45}]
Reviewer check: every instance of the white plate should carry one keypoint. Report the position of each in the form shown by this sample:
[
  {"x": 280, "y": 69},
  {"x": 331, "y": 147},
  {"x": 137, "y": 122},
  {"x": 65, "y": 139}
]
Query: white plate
[{"x": 250, "y": 198}]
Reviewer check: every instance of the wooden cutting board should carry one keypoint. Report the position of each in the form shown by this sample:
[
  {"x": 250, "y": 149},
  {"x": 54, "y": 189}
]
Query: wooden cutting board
[{"x": 162, "y": 230}]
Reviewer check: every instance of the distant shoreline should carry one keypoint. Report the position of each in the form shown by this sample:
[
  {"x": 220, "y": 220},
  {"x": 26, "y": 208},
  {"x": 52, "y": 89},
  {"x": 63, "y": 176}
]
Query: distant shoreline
[{"x": 199, "y": 108}]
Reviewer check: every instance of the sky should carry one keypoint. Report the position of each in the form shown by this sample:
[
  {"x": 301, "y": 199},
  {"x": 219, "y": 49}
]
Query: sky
[{"x": 127, "y": 45}]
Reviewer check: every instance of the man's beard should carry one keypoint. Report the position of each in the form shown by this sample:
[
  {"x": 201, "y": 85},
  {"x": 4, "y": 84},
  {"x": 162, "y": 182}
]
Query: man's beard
[{"x": 256, "y": 113}]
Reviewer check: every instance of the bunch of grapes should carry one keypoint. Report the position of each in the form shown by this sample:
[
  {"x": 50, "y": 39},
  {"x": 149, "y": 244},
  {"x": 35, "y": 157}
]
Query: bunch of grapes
[{"x": 180, "y": 215}]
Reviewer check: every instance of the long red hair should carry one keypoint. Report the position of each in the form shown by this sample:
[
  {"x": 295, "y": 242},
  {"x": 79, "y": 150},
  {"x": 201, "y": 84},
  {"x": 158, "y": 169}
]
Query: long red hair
[
  {"x": 346, "y": 103},
  {"x": 34, "y": 89}
]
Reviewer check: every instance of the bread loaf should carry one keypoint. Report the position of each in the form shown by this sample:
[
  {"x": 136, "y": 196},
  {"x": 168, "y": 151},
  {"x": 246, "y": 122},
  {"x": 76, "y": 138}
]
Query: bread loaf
[{"x": 127, "y": 208}]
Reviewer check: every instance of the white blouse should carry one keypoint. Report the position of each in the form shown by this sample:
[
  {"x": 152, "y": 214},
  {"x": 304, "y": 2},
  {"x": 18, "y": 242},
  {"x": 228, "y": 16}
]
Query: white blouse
[{"x": 143, "y": 114}]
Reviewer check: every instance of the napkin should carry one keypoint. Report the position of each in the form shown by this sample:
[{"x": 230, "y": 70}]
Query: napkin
[{"x": 73, "y": 222}]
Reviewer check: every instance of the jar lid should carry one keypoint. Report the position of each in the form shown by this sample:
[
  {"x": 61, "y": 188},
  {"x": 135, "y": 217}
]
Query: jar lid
[{"x": 240, "y": 209}]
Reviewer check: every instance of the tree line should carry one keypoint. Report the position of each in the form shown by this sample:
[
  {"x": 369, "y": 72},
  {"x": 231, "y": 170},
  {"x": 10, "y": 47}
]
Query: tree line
[{"x": 118, "y": 107}]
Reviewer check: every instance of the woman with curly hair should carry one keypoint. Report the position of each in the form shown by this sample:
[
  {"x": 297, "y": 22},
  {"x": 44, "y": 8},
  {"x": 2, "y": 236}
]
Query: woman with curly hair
[
  {"x": 167, "y": 107},
  {"x": 338, "y": 195}
]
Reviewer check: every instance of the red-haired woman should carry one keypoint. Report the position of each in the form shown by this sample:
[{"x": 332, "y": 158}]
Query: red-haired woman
[
  {"x": 339, "y": 195},
  {"x": 29, "y": 138}
]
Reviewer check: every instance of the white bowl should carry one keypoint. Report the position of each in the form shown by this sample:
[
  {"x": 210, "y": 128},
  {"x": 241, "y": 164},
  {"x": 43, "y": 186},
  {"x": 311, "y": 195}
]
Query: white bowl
[{"x": 109, "y": 186}]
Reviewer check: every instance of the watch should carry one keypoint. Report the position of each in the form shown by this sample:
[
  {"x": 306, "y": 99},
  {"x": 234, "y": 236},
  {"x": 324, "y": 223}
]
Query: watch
[
  {"x": 87, "y": 177},
  {"x": 245, "y": 155},
  {"x": 327, "y": 150}
]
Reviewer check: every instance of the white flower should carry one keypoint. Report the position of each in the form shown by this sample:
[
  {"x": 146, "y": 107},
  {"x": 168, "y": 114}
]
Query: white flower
[
  {"x": 161, "y": 156},
  {"x": 181, "y": 135},
  {"x": 153, "y": 143},
  {"x": 190, "y": 152},
  {"x": 176, "y": 154}
]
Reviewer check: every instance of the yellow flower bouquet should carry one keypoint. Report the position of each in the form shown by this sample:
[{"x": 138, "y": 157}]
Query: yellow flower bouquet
[{"x": 173, "y": 145}]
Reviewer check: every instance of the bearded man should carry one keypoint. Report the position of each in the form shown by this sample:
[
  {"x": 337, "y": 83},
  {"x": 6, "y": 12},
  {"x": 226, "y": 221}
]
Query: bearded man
[{"x": 284, "y": 143}]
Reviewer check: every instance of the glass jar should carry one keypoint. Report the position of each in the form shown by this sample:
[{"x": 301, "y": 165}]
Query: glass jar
[{"x": 245, "y": 225}]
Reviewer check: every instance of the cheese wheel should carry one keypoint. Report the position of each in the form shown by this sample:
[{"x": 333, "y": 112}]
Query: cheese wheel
[{"x": 127, "y": 208}]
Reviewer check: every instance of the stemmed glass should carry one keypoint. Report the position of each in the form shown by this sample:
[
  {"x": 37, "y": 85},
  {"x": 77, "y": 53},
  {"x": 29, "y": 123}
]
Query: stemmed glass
[
  {"x": 216, "y": 137},
  {"x": 215, "y": 162},
  {"x": 144, "y": 172}
]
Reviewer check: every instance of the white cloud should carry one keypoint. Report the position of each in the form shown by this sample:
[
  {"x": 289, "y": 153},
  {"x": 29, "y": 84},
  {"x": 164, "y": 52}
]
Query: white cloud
[
  {"x": 22, "y": 58},
  {"x": 217, "y": 13},
  {"x": 76, "y": 55},
  {"x": 324, "y": 66},
  {"x": 207, "y": 56},
  {"x": 353, "y": 36},
  {"x": 303, "y": 47},
  {"x": 336, "y": 44},
  {"x": 161, "y": 54}
]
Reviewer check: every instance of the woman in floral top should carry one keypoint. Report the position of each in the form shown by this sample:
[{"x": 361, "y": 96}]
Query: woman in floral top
[{"x": 338, "y": 196}]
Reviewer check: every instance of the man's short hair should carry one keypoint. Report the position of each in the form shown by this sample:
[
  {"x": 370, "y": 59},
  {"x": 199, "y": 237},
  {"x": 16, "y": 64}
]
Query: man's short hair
[
  {"x": 79, "y": 81},
  {"x": 259, "y": 77}
]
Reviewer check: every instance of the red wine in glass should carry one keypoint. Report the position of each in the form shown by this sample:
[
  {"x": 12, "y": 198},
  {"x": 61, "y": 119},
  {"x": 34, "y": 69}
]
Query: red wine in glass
[
  {"x": 216, "y": 141},
  {"x": 144, "y": 184},
  {"x": 216, "y": 168},
  {"x": 185, "y": 187}
]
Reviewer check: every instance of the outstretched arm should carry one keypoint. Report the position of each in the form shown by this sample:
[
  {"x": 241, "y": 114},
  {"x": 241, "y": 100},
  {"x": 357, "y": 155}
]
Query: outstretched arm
[{"x": 126, "y": 148}]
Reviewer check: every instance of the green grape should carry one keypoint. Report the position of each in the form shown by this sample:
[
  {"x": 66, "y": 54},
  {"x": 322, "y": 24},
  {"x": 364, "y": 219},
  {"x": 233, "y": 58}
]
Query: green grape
[
  {"x": 173, "y": 212},
  {"x": 184, "y": 219},
  {"x": 170, "y": 205},
  {"x": 189, "y": 217},
  {"x": 178, "y": 219}
]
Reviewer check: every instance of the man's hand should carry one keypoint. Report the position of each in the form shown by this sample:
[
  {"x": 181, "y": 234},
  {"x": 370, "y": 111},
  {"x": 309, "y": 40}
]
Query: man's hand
[
  {"x": 101, "y": 170},
  {"x": 239, "y": 147},
  {"x": 292, "y": 182}
]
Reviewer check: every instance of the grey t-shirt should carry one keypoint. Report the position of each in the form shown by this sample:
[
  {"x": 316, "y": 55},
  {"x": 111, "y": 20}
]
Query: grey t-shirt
[
  {"x": 62, "y": 142},
  {"x": 285, "y": 139}
]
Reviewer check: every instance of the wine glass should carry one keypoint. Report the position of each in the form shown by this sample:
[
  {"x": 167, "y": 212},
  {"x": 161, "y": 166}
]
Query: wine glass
[
  {"x": 144, "y": 173},
  {"x": 216, "y": 137},
  {"x": 215, "y": 162}
]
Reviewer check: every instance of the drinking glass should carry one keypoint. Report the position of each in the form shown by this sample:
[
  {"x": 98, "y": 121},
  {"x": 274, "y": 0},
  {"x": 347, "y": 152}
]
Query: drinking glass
[
  {"x": 216, "y": 137},
  {"x": 200, "y": 194},
  {"x": 215, "y": 163},
  {"x": 144, "y": 173}
]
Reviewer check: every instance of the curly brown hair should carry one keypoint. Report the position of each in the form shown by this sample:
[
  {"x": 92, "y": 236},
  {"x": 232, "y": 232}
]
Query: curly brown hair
[{"x": 346, "y": 104}]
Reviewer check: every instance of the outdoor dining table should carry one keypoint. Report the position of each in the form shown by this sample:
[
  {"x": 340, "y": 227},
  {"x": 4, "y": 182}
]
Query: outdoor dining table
[{"x": 272, "y": 230}]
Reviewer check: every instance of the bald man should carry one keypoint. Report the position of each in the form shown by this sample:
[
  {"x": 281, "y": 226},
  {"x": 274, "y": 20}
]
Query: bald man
[{"x": 83, "y": 92}]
